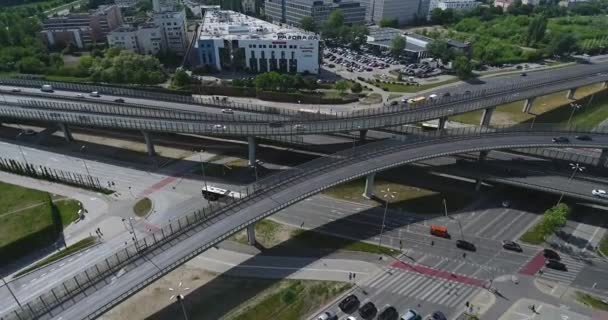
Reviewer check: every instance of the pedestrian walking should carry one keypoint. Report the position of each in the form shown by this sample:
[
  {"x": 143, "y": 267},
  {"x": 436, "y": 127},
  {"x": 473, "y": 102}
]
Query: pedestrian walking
[
  {"x": 350, "y": 276},
  {"x": 354, "y": 275}
]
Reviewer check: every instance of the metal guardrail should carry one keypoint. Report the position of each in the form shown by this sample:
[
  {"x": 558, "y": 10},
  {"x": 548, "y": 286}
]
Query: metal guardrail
[
  {"x": 86, "y": 282},
  {"x": 354, "y": 121}
]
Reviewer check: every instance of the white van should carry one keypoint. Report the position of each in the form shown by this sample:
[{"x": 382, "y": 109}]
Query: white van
[{"x": 46, "y": 88}]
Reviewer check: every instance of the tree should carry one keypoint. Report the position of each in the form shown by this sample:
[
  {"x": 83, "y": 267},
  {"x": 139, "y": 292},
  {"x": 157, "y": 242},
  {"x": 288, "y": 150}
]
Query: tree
[
  {"x": 356, "y": 88},
  {"x": 441, "y": 50},
  {"x": 308, "y": 24},
  {"x": 462, "y": 66},
  {"x": 357, "y": 36},
  {"x": 562, "y": 44},
  {"x": 180, "y": 79},
  {"x": 31, "y": 65},
  {"x": 536, "y": 30},
  {"x": 341, "y": 86},
  {"x": 389, "y": 23},
  {"x": 333, "y": 25},
  {"x": 397, "y": 45}
]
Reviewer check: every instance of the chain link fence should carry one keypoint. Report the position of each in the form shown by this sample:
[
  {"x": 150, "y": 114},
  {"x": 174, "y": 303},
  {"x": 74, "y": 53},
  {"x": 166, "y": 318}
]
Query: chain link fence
[{"x": 94, "y": 277}]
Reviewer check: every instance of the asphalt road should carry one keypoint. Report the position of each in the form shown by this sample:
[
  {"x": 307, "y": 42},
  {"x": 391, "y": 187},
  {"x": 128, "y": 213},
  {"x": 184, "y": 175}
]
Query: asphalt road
[{"x": 382, "y": 155}]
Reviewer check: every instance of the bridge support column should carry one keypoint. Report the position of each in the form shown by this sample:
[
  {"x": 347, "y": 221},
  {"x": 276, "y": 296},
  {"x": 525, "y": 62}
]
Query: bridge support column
[
  {"x": 251, "y": 143},
  {"x": 67, "y": 134},
  {"x": 149, "y": 143},
  {"x": 603, "y": 158},
  {"x": 605, "y": 84},
  {"x": 362, "y": 134},
  {"x": 369, "y": 186},
  {"x": 442, "y": 122},
  {"x": 478, "y": 184},
  {"x": 570, "y": 94},
  {"x": 483, "y": 155},
  {"x": 251, "y": 234},
  {"x": 486, "y": 116},
  {"x": 527, "y": 105}
]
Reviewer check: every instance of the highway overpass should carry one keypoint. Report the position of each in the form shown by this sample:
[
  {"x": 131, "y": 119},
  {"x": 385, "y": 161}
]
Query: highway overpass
[{"x": 100, "y": 286}]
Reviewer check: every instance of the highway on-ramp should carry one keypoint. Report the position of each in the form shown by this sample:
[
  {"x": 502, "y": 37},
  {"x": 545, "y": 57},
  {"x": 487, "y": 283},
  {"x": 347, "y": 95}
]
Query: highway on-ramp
[{"x": 100, "y": 287}]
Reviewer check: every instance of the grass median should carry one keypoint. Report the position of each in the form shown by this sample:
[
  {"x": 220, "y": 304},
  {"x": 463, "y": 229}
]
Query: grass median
[
  {"x": 142, "y": 207},
  {"x": 80, "y": 245},
  {"x": 592, "y": 301},
  {"x": 553, "y": 219}
]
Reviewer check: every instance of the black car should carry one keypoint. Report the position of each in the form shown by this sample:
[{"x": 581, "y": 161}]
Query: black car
[
  {"x": 523, "y": 74},
  {"x": 119, "y": 100},
  {"x": 275, "y": 124},
  {"x": 389, "y": 313},
  {"x": 462, "y": 244},
  {"x": 467, "y": 92},
  {"x": 510, "y": 245},
  {"x": 583, "y": 138},
  {"x": 552, "y": 255},
  {"x": 349, "y": 303},
  {"x": 554, "y": 264},
  {"x": 447, "y": 94},
  {"x": 561, "y": 140},
  {"x": 438, "y": 315},
  {"x": 368, "y": 310}
]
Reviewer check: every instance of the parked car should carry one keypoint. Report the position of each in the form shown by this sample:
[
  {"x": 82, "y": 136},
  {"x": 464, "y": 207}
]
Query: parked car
[
  {"x": 410, "y": 314},
  {"x": 388, "y": 313},
  {"x": 599, "y": 193},
  {"x": 554, "y": 264},
  {"x": 327, "y": 315},
  {"x": 583, "y": 138},
  {"x": 561, "y": 140},
  {"x": 368, "y": 310},
  {"x": 511, "y": 245},
  {"x": 551, "y": 254},
  {"x": 465, "y": 245},
  {"x": 349, "y": 303}
]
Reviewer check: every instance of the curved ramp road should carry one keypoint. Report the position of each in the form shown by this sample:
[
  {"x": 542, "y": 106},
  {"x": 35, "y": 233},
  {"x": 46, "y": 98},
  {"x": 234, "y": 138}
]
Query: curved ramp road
[
  {"x": 103, "y": 285},
  {"x": 174, "y": 121}
]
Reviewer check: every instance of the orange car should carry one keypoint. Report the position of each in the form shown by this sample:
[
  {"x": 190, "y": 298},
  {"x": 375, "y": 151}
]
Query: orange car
[{"x": 440, "y": 231}]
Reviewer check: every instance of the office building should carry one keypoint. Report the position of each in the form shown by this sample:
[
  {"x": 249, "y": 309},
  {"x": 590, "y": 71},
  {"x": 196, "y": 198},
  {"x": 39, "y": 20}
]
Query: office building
[
  {"x": 228, "y": 40},
  {"x": 292, "y": 11},
  {"x": 81, "y": 37},
  {"x": 174, "y": 29},
  {"x": 147, "y": 39},
  {"x": 125, "y": 3},
  {"x": 100, "y": 21},
  {"x": 404, "y": 11},
  {"x": 457, "y": 5},
  {"x": 248, "y": 6},
  {"x": 159, "y": 6}
]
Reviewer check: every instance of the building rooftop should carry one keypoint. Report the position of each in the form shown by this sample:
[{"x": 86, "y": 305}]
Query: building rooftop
[
  {"x": 230, "y": 25},
  {"x": 124, "y": 28}
]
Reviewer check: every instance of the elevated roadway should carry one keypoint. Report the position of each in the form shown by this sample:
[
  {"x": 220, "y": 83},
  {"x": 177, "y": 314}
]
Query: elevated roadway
[{"x": 106, "y": 283}]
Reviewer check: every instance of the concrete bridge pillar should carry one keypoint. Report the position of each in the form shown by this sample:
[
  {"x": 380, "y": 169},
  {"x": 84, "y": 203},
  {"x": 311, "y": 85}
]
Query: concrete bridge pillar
[
  {"x": 369, "y": 185},
  {"x": 605, "y": 84},
  {"x": 486, "y": 116},
  {"x": 362, "y": 134},
  {"x": 251, "y": 143},
  {"x": 478, "y": 183},
  {"x": 251, "y": 234},
  {"x": 442, "y": 123},
  {"x": 149, "y": 143},
  {"x": 570, "y": 93},
  {"x": 483, "y": 155},
  {"x": 603, "y": 158},
  {"x": 67, "y": 134},
  {"x": 527, "y": 105}
]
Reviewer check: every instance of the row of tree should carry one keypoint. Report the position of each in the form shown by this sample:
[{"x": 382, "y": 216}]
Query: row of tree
[{"x": 336, "y": 30}]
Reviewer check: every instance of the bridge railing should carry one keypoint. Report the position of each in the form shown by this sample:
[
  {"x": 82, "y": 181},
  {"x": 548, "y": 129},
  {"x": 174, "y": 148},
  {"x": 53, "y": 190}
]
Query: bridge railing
[{"x": 99, "y": 274}]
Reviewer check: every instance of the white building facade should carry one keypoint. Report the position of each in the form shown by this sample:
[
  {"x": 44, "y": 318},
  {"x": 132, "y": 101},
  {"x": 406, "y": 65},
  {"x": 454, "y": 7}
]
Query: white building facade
[
  {"x": 174, "y": 29},
  {"x": 459, "y": 5},
  {"x": 232, "y": 41},
  {"x": 125, "y": 38},
  {"x": 159, "y": 6},
  {"x": 147, "y": 39}
]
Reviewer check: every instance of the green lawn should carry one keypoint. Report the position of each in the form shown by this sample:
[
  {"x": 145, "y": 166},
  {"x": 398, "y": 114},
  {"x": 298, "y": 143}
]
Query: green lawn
[
  {"x": 411, "y": 89},
  {"x": 534, "y": 235},
  {"x": 290, "y": 300},
  {"x": 29, "y": 220},
  {"x": 66, "y": 78},
  {"x": 372, "y": 98},
  {"x": 412, "y": 199},
  {"x": 80, "y": 245},
  {"x": 604, "y": 245},
  {"x": 592, "y": 301},
  {"x": 142, "y": 207}
]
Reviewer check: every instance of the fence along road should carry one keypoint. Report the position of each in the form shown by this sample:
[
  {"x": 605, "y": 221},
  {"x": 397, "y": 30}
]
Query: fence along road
[
  {"x": 106, "y": 283},
  {"x": 174, "y": 121}
]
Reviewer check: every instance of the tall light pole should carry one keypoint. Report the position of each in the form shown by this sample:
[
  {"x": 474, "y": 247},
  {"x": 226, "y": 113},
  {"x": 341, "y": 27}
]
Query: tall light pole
[
  {"x": 19, "y": 146},
  {"x": 574, "y": 106},
  {"x": 576, "y": 167},
  {"x": 200, "y": 156},
  {"x": 82, "y": 149},
  {"x": 132, "y": 230},
  {"x": 179, "y": 297},
  {"x": 445, "y": 210},
  {"x": 386, "y": 194}
]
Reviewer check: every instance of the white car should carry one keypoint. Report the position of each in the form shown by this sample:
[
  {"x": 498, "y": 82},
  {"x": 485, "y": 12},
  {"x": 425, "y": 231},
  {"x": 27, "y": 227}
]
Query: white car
[
  {"x": 80, "y": 95},
  {"x": 351, "y": 318},
  {"x": 227, "y": 111},
  {"x": 95, "y": 94},
  {"x": 219, "y": 127},
  {"x": 410, "y": 314},
  {"x": 326, "y": 316},
  {"x": 433, "y": 96},
  {"x": 299, "y": 127},
  {"x": 599, "y": 193}
]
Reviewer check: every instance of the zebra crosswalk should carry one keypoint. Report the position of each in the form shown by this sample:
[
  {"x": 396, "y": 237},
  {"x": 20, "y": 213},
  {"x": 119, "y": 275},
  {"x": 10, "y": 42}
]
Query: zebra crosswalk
[
  {"x": 566, "y": 277},
  {"x": 421, "y": 287}
]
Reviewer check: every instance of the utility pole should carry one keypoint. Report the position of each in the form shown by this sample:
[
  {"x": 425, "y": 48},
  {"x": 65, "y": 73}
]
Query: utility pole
[{"x": 445, "y": 210}]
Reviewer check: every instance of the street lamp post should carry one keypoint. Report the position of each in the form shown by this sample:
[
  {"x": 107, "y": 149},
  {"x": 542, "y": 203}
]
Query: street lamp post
[
  {"x": 386, "y": 194},
  {"x": 132, "y": 230},
  {"x": 200, "y": 156},
  {"x": 445, "y": 210},
  {"x": 82, "y": 149},
  {"x": 576, "y": 167},
  {"x": 574, "y": 106},
  {"x": 179, "y": 297},
  {"x": 21, "y": 149}
]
